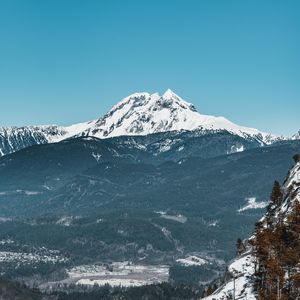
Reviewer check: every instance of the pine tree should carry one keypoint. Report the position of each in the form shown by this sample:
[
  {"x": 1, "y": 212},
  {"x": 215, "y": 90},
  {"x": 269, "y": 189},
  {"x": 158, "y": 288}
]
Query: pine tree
[
  {"x": 296, "y": 158},
  {"x": 276, "y": 195},
  {"x": 240, "y": 248}
]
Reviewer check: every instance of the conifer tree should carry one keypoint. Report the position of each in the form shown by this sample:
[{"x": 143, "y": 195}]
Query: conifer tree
[
  {"x": 296, "y": 158},
  {"x": 276, "y": 195}
]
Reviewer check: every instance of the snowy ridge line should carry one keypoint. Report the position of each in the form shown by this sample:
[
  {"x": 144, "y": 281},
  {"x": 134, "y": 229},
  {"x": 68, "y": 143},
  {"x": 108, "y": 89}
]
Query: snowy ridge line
[
  {"x": 144, "y": 113},
  {"x": 137, "y": 114}
]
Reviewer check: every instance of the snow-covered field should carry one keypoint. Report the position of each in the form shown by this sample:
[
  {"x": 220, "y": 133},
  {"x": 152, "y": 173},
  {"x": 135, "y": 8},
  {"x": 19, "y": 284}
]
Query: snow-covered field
[
  {"x": 192, "y": 261},
  {"x": 119, "y": 274},
  {"x": 114, "y": 282}
]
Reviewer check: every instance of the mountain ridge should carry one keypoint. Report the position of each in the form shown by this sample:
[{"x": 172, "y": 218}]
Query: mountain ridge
[
  {"x": 138, "y": 114},
  {"x": 144, "y": 113}
]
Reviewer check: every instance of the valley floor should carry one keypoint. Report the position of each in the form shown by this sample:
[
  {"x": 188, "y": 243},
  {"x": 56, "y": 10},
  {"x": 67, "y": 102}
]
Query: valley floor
[{"x": 117, "y": 274}]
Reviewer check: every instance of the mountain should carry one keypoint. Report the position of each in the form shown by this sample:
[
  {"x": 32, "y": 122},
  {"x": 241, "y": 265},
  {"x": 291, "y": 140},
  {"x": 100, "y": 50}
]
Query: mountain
[
  {"x": 296, "y": 136},
  {"x": 13, "y": 139},
  {"x": 149, "y": 208},
  {"x": 156, "y": 199},
  {"x": 268, "y": 267},
  {"x": 42, "y": 170},
  {"x": 16, "y": 138},
  {"x": 137, "y": 114},
  {"x": 144, "y": 113}
]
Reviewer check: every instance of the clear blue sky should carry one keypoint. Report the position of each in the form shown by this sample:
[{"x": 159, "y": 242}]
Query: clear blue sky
[{"x": 70, "y": 61}]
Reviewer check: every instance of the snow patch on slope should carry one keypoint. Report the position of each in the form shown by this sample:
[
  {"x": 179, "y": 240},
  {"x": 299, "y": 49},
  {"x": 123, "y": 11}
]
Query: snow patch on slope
[
  {"x": 252, "y": 204},
  {"x": 241, "y": 285}
]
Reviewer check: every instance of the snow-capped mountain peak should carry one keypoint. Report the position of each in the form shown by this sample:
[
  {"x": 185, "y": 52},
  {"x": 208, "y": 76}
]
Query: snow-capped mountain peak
[
  {"x": 169, "y": 94},
  {"x": 145, "y": 113},
  {"x": 138, "y": 114}
]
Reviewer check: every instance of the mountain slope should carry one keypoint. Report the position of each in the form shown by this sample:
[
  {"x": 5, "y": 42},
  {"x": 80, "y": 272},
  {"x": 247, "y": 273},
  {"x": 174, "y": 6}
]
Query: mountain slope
[
  {"x": 125, "y": 186},
  {"x": 14, "y": 291},
  {"x": 138, "y": 114},
  {"x": 268, "y": 268},
  {"x": 296, "y": 136},
  {"x": 13, "y": 139},
  {"x": 144, "y": 113}
]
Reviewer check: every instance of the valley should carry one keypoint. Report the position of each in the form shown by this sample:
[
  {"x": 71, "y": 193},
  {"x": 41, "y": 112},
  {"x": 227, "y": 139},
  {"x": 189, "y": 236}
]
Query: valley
[{"x": 134, "y": 210}]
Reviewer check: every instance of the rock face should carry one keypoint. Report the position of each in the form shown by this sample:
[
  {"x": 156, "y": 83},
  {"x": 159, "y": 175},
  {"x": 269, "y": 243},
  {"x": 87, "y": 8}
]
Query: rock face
[{"x": 137, "y": 114}]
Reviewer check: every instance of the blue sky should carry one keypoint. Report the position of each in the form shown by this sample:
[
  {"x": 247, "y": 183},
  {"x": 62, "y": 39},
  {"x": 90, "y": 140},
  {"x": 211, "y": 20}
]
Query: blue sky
[{"x": 70, "y": 61}]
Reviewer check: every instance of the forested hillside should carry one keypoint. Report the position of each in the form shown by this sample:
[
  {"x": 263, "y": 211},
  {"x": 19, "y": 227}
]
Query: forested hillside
[
  {"x": 268, "y": 263},
  {"x": 277, "y": 242}
]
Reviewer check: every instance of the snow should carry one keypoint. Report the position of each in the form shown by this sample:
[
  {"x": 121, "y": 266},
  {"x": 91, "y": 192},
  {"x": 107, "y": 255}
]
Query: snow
[
  {"x": 213, "y": 223},
  {"x": 291, "y": 186},
  {"x": 137, "y": 114},
  {"x": 77, "y": 128},
  {"x": 114, "y": 282},
  {"x": 294, "y": 176},
  {"x": 240, "y": 149},
  {"x": 23, "y": 257},
  {"x": 241, "y": 269},
  {"x": 236, "y": 148},
  {"x": 66, "y": 220},
  {"x": 31, "y": 193},
  {"x": 192, "y": 261},
  {"x": 252, "y": 204},
  {"x": 144, "y": 113},
  {"x": 296, "y": 136},
  {"x": 169, "y": 94},
  {"x": 177, "y": 218},
  {"x": 97, "y": 156},
  {"x": 18, "y": 191},
  {"x": 6, "y": 241},
  {"x": 119, "y": 274}
]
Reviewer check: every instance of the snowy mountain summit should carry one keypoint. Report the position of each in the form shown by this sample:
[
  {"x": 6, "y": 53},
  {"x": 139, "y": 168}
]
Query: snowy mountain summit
[
  {"x": 144, "y": 113},
  {"x": 137, "y": 114}
]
